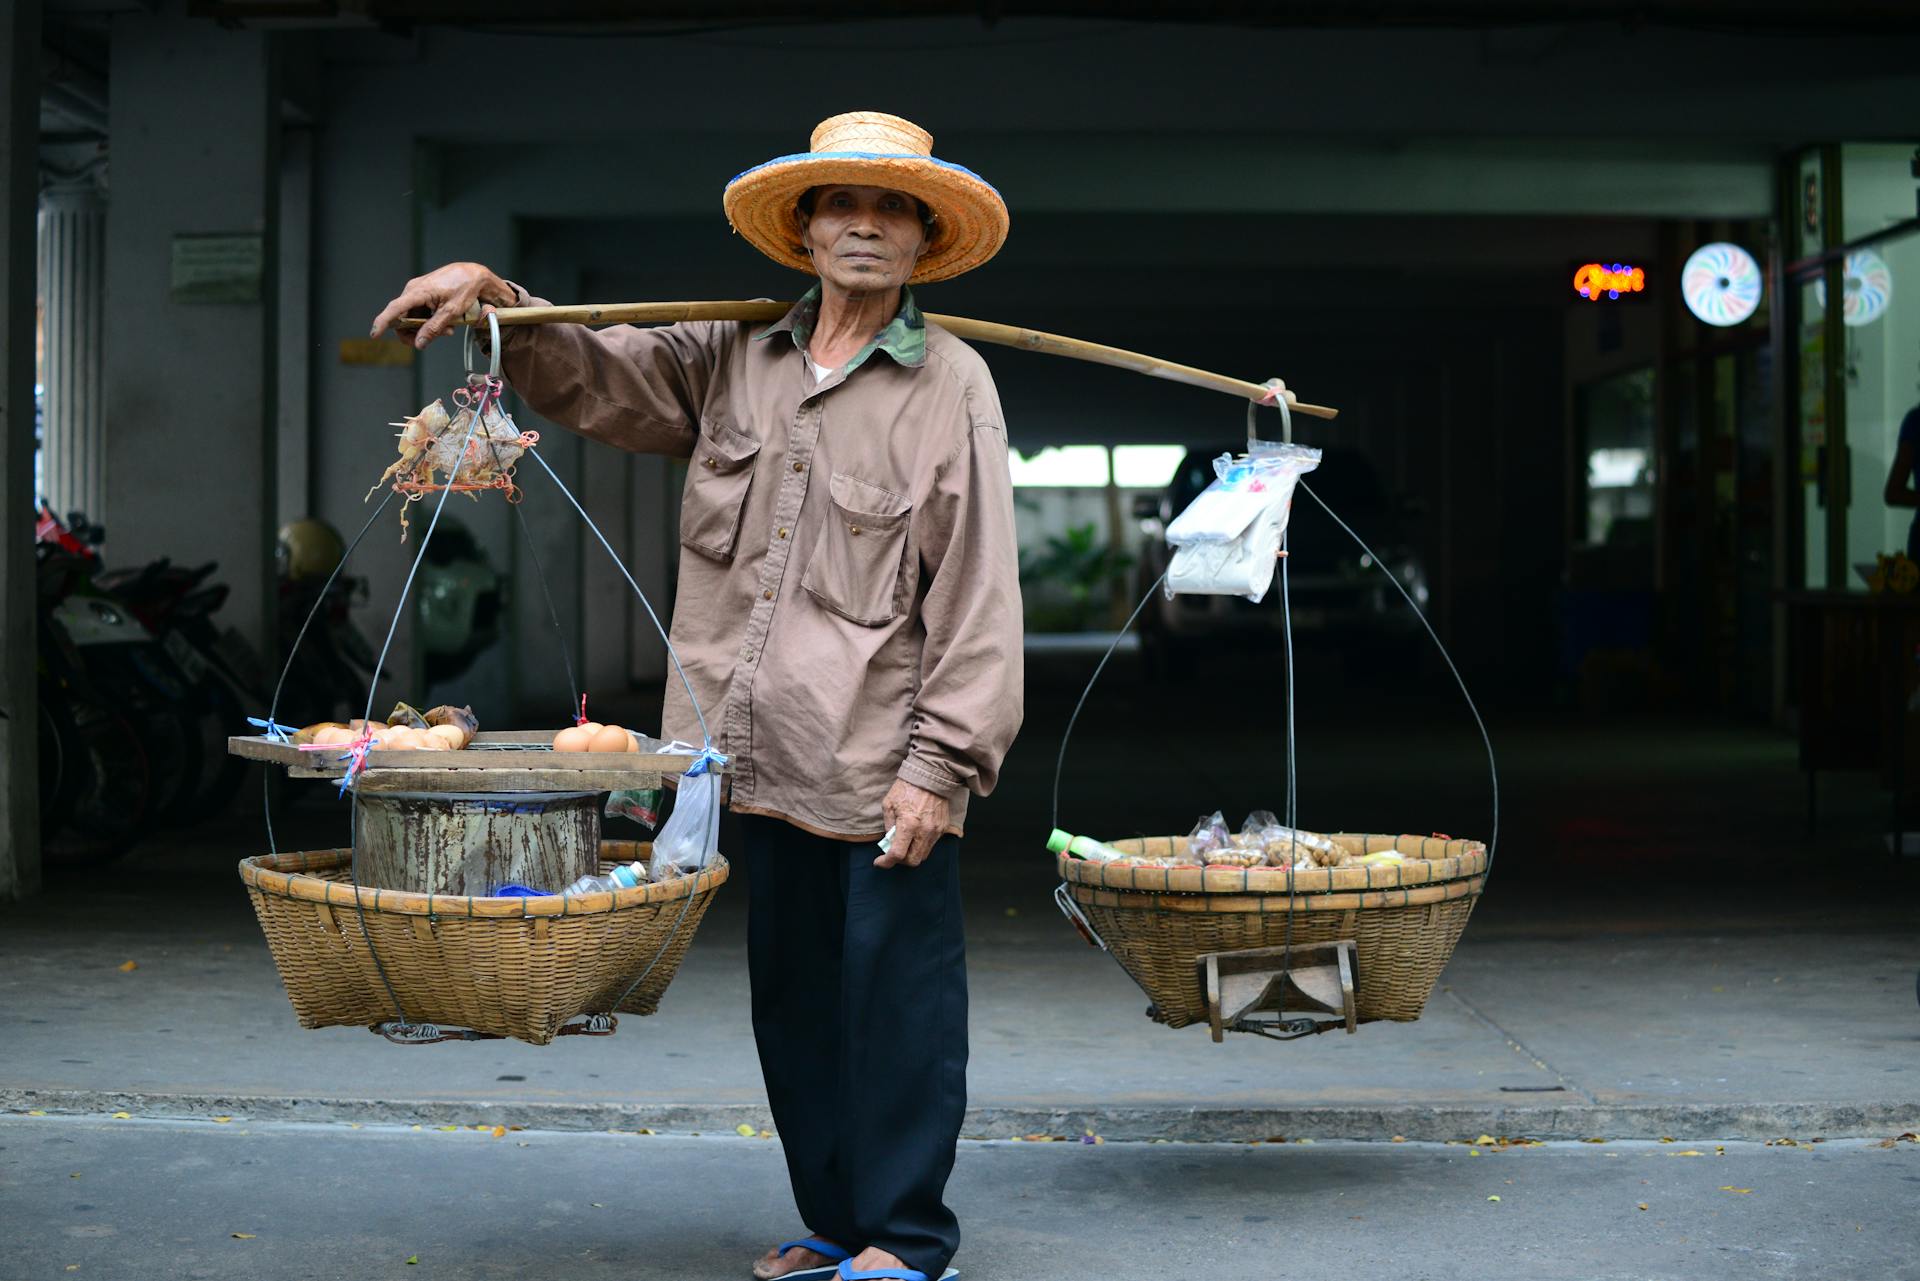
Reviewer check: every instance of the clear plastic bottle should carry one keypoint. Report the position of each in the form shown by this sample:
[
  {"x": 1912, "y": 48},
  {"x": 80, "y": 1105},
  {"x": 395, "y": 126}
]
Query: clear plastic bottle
[
  {"x": 1082, "y": 847},
  {"x": 624, "y": 877}
]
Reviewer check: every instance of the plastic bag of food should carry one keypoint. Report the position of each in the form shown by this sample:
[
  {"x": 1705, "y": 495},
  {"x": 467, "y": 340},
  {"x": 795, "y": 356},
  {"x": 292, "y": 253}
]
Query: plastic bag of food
[
  {"x": 1208, "y": 836},
  {"x": 1244, "y": 848},
  {"x": 1289, "y": 847},
  {"x": 691, "y": 835},
  {"x": 1227, "y": 540}
]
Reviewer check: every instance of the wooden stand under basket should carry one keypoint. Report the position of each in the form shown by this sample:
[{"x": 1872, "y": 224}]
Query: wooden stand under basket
[{"x": 1222, "y": 945}]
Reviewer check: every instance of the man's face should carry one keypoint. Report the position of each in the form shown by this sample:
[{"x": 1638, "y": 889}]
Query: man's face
[{"x": 864, "y": 239}]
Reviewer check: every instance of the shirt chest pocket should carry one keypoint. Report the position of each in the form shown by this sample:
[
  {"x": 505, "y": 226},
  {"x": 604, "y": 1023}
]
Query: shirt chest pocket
[
  {"x": 718, "y": 477},
  {"x": 857, "y": 567}
]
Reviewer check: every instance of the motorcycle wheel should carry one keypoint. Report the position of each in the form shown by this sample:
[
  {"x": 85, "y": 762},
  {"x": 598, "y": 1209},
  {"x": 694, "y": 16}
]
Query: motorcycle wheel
[{"x": 110, "y": 791}]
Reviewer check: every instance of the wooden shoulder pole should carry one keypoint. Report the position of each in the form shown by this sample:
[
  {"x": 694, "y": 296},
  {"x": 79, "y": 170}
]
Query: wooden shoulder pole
[{"x": 663, "y": 313}]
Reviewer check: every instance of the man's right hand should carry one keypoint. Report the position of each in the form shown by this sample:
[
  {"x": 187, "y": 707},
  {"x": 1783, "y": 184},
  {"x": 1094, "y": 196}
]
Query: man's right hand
[{"x": 459, "y": 290}]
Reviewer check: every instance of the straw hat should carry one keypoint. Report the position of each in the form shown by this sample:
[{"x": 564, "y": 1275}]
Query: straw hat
[{"x": 870, "y": 149}]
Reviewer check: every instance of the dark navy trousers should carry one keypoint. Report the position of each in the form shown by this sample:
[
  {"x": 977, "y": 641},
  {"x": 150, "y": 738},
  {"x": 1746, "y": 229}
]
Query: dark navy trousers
[{"x": 860, "y": 1014}]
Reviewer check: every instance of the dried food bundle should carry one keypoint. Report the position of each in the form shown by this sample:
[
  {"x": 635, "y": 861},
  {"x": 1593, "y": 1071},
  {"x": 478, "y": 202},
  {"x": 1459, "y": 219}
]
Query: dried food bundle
[{"x": 474, "y": 447}]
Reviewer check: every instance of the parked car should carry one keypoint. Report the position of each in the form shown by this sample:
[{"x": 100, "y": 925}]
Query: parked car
[{"x": 1334, "y": 589}]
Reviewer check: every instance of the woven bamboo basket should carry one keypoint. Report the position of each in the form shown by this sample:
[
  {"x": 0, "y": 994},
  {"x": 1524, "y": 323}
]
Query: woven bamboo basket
[
  {"x": 518, "y": 967},
  {"x": 1404, "y": 919}
]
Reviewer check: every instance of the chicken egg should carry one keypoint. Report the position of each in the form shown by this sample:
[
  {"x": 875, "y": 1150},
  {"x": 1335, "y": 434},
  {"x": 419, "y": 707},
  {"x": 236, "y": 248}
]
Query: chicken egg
[
  {"x": 575, "y": 738},
  {"x": 611, "y": 738}
]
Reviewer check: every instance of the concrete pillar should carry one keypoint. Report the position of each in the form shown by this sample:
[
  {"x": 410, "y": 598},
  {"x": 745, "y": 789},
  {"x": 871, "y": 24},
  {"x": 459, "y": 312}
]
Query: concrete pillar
[
  {"x": 191, "y": 389},
  {"x": 19, "y": 704},
  {"x": 73, "y": 446}
]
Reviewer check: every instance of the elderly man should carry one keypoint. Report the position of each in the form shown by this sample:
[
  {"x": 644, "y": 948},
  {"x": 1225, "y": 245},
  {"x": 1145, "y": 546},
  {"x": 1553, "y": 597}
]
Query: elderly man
[{"x": 849, "y": 616}]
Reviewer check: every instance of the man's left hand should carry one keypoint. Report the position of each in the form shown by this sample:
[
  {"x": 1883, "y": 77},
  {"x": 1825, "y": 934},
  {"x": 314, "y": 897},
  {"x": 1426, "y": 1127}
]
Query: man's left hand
[{"x": 918, "y": 819}]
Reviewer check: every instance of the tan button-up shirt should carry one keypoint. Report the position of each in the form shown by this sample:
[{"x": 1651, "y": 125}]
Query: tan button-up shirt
[{"x": 849, "y": 599}]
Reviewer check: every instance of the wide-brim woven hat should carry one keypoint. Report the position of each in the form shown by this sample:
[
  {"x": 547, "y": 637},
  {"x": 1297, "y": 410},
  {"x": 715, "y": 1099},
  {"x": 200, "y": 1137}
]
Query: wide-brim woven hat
[{"x": 871, "y": 149}]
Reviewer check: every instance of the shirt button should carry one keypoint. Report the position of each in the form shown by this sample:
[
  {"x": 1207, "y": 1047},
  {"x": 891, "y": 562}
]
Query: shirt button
[
  {"x": 711, "y": 463},
  {"x": 767, "y": 595},
  {"x": 783, "y": 533},
  {"x": 799, "y": 466},
  {"x": 853, "y": 529}
]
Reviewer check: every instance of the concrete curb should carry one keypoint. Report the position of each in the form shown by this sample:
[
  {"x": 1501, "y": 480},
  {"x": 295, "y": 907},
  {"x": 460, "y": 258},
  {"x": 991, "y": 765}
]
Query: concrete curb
[{"x": 1119, "y": 1123}]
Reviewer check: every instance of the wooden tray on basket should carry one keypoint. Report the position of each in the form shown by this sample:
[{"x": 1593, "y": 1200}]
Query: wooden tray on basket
[
  {"x": 1403, "y": 919},
  {"x": 495, "y": 761}
]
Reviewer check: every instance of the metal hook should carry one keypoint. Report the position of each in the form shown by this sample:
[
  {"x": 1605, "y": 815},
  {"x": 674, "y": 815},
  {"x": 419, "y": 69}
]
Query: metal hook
[
  {"x": 1286, "y": 416},
  {"x": 466, "y": 348}
]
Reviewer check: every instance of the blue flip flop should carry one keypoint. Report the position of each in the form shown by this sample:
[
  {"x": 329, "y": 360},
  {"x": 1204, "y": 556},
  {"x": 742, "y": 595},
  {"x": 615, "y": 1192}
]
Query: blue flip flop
[
  {"x": 846, "y": 1273},
  {"x": 818, "y": 1246}
]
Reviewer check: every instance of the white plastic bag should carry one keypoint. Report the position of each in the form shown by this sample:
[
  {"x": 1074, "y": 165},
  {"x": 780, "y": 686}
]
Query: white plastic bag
[
  {"x": 691, "y": 835},
  {"x": 1226, "y": 541}
]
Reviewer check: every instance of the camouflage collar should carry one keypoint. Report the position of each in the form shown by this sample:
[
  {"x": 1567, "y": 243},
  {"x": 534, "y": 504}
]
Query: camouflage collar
[{"x": 904, "y": 338}]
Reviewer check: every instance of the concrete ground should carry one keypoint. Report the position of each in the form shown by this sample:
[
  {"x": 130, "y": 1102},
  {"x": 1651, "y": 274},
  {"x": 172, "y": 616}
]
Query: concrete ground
[
  {"x": 1664, "y": 950},
  {"x": 162, "y": 1200}
]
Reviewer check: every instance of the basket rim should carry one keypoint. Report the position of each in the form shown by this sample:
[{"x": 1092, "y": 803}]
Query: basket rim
[
  {"x": 1467, "y": 861},
  {"x": 288, "y": 874},
  {"x": 1178, "y": 903}
]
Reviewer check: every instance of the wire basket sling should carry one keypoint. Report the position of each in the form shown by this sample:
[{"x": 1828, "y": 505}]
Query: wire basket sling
[
  {"x": 1366, "y": 942},
  {"x": 425, "y": 968}
]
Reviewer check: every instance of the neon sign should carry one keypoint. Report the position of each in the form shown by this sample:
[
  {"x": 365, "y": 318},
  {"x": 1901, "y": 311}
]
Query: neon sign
[{"x": 1595, "y": 279}]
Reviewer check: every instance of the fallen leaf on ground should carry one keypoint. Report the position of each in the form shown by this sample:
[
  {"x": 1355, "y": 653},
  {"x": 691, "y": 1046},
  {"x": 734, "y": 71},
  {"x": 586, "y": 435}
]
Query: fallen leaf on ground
[
  {"x": 1593, "y": 1140},
  {"x": 1486, "y": 1141},
  {"x": 74, "y": 1175},
  {"x": 743, "y": 1130},
  {"x": 413, "y": 1258},
  {"x": 599, "y": 1205},
  {"x": 1493, "y": 1198},
  {"x": 448, "y": 1128},
  {"x": 221, "y": 1120},
  {"x": 1728, "y": 1187},
  {"x": 1473, "y": 1151},
  {"x": 1688, "y": 1152},
  {"x": 766, "y": 1134},
  {"x": 643, "y": 1131},
  {"x": 123, "y": 1116},
  {"x": 1399, "y": 1138},
  {"x": 128, "y": 967},
  {"x": 35, "y": 1112},
  {"x": 73, "y": 1267},
  {"x": 1643, "y": 1205},
  {"x": 243, "y": 1236}
]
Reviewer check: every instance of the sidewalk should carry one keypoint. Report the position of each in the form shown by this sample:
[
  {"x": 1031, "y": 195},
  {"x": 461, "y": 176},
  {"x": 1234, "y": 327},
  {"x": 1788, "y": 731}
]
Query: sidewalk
[
  {"x": 196, "y": 1201},
  {"x": 1573, "y": 1009}
]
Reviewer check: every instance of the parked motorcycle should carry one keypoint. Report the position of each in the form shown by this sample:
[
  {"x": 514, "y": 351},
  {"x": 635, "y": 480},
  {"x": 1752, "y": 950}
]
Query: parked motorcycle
[
  {"x": 224, "y": 675},
  {"x": 99, "y": 732}
]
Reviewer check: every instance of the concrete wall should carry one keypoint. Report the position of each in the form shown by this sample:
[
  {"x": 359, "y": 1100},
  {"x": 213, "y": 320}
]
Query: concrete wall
[{"x": 190, "y": 386}]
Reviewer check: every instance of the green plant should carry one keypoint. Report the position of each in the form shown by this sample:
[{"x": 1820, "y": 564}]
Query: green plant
[{"x": 1080, "y": 566}]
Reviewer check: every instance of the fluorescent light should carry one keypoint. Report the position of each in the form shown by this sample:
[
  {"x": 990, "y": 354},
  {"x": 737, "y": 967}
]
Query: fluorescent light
[
  {"x": 1146, "y": 466},
  {"x": 1616, "y": 468},
  {"x": 1062, "y": 467}
]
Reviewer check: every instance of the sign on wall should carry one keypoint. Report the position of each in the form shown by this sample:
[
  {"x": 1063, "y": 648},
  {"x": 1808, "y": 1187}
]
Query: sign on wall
[{"x": 216, "y": 267}]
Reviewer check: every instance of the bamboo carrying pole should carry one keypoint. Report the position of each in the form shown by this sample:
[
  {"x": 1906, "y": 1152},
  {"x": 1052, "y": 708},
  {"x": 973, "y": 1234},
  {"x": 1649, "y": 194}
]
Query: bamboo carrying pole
[{"x": 661, "y": 313}]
